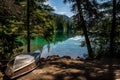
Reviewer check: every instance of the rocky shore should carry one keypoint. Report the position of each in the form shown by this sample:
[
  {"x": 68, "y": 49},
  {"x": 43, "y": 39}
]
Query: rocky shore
[{"x": 66, "y": 68}]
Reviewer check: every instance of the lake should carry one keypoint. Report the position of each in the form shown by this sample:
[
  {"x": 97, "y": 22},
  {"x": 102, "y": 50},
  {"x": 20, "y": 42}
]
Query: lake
[
  {"x": 62, "y": 46},
  {"x": 70, "y": 47}
]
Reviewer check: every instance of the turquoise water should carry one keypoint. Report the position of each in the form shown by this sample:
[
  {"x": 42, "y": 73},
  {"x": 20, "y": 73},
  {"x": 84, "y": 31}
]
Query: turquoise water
[
  {"x": 70, "y": 47},
  {"x": 62, "y": 47}
]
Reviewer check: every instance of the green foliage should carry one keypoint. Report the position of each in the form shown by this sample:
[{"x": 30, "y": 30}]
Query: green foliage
[
  {"x": 101, "y": 32},
  {"x": 97, "y": 18},
  {"x": 9, "y": 28},
  {"x": 8, "y": 41},
  {"x": 12, "y": 24},
  {"x": 85, "y": 12},
  {"x": 62, "y": 23}
]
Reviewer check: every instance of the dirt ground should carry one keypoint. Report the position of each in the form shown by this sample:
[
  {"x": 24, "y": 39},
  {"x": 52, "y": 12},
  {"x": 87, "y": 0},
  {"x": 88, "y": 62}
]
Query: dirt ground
[{"x": 65, "y": 68}]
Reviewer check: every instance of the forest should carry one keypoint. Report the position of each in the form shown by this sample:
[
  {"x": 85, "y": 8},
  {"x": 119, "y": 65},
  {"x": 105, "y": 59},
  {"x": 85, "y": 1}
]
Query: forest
[
  {"x": 97, "y": 20},
  {"x": 42, "y": 23}
]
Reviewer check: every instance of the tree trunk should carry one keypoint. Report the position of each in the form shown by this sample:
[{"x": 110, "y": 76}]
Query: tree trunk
[
  {"x": 112, "y": 35},
  {"x": 84, "y": 28},
  {"x": 28, "y": 25}
]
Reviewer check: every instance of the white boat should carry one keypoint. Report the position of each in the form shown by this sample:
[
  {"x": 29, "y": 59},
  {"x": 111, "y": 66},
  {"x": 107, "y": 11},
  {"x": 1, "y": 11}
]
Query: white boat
[{"x": 22, "y": 64}]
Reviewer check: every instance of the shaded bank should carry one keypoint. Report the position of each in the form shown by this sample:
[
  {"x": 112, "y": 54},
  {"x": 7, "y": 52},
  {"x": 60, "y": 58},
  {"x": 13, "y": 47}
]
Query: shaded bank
[{"x": 65, "y": 68}]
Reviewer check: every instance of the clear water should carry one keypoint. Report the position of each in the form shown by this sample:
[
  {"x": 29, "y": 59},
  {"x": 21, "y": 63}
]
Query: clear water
[
  {"x": 69, "y": 47},
  {"x": 63, "y": 45}
]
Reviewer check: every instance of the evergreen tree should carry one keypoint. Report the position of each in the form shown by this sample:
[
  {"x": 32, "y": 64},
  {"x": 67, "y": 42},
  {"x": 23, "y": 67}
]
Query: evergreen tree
[
  {"x": 84, "y": 9},
  {"x": 9, "y": 25},
  {"x": 113, "y": 27},
  {"x": 13, "y": 23}
]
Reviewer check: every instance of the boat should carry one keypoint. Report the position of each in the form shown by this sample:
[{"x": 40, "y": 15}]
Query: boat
[{"x": 22, "y": 64}]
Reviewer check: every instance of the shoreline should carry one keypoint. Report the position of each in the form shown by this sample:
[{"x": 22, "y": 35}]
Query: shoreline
[{"x": 66, "y": 68}]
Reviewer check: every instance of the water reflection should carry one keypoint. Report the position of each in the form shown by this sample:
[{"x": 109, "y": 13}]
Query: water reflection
[
  {"x": 63, "y": 44},
  {"x": 70, "y": 47}
]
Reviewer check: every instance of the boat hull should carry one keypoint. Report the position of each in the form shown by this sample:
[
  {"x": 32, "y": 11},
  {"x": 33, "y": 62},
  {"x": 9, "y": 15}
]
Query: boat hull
[{"x": 11, "y": 74}]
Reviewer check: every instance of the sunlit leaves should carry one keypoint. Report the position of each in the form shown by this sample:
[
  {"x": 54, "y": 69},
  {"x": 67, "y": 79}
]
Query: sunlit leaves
[{"x": 13, "y": 20}]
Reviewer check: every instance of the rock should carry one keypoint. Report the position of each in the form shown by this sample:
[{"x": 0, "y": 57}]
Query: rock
[
  {"x": 80, "y": 58},
  {"x": 42, "y": 59},
  {"x": 53, "y": 57},
  {"x": 67, "y": 57}
]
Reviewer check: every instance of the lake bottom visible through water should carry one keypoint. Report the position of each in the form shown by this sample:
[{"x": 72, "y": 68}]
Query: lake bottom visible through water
[{"x": 69, "y": 47}]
